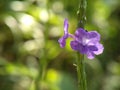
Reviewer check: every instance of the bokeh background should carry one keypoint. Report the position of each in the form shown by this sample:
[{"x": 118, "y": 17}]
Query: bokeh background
[{"x": 31, "y": 58}]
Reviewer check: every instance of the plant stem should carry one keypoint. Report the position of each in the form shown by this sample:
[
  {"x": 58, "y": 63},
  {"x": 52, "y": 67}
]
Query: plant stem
[
  {"x": 81, "y": 72},
  {"x": 81, "y": 13},
  {"x": 80, "y": 58}
]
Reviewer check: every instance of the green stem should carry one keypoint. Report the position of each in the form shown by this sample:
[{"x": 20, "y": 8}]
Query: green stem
[
  {"x": 80, "y": 58},
  {"x": 81, "y": 13},
  {"x": 81, "y": 72}
]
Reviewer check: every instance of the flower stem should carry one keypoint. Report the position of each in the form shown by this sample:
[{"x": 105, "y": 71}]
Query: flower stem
[
  {"x": 81, "y": 72},
  {"x": 82, "y": 13},
  {"x": 80, "y": 58}
]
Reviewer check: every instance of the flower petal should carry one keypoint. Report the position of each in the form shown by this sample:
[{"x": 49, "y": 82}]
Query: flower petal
[
  {"x": 66, "y": 25},
  {"x": 93, "y": 37},
  {"x": 80, "y": 34},
  {"x": 90, "y": 55},
  {"x": 74, "y": 45},
  {"x": 92, "y": 48},
  {"x": 94, "y": 34},
  {"x": 62, "y": 42},
  {"x": 83, "y": 49},
  {"x": 100, "y": 49}
]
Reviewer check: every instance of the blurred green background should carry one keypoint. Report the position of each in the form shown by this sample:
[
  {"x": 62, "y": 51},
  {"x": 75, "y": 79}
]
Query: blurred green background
[{"x": 29, "y": 49}]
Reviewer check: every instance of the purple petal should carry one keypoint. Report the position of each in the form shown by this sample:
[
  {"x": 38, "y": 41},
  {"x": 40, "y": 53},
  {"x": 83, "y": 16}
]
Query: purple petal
[
  {"x": 92, "y": 48},
  {"x": 94, "y": 34},
  {"x": 79, "y": 34},
  {"x": 90, "y": 55},
  {"x": 79, "y": 47},
  {"x": 62, "y": 42},
  {"x": 83, "y": 49},
  {"x": 66, "y": 27},
  {"x": 100, "y": 49},
  {"x": 93, "y": 37},
  {"x": 74, "y": 45}
]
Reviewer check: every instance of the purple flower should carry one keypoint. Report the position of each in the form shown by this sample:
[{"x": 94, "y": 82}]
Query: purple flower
[
  {"x": 62, "y": 40},
  {"x": 83, "y": 41}
]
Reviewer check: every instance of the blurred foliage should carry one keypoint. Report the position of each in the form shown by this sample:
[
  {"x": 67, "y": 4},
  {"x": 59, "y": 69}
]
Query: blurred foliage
[{"x": 29, "y": 32}]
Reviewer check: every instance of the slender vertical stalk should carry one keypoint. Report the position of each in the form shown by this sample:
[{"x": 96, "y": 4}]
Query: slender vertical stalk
[
  {"x": 82, "y": 13},
  {"x": 80, "y": 58},
  {"x": 81, "y": 72}
]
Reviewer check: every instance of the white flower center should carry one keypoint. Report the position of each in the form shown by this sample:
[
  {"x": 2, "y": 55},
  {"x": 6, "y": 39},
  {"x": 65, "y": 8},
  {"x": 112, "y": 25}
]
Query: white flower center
[{"x": 85, "y": 41}]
